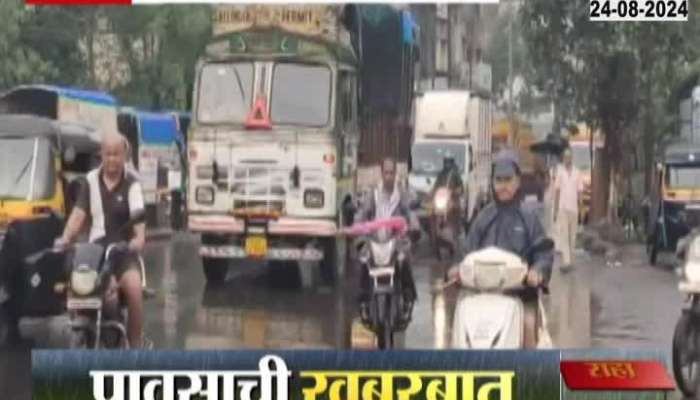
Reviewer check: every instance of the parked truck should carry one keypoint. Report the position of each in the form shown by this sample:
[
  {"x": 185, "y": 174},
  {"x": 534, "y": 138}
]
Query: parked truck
[
  {"x": 272, "y": 145},
  {"x": 456, "y": 124}
]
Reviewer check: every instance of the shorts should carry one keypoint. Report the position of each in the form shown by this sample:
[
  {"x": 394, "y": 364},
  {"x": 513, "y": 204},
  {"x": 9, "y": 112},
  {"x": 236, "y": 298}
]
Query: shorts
[{"x": 127, "y": 263}]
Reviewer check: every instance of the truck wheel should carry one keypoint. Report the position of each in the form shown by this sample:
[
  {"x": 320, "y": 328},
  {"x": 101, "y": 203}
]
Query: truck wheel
[
  {"x": 215, "y": 270},
  {"x": 5, "y": 326},
  {"x": 334, "y": 259}
]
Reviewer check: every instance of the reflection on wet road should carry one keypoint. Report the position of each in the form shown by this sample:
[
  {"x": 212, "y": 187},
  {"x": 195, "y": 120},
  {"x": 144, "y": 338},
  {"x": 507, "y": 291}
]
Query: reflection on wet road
[
  {"x": 254, "y": 308},
  {"x": 632, "y": 305}
]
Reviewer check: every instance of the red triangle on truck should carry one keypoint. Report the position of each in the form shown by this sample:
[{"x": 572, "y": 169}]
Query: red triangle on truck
[{"x": 258, "y": 118}]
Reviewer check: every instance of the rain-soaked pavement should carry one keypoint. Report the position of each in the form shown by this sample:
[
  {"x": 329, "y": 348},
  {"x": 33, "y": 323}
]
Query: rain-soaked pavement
[{"x": 633, "y": 305}]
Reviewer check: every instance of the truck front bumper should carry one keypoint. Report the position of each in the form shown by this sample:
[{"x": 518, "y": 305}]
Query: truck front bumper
[
  {"x": 273, "y": 254},
  {"x": 284, "y": 226}
]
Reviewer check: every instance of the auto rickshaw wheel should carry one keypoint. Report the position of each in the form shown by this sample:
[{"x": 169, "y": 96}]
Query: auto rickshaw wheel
[{"x": 652, "y": 249}]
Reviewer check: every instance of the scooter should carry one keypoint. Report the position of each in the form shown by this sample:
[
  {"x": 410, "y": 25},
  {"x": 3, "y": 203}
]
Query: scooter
[
  {"x": 489, "y": 314},
  {"x": 382, "y": 253},
  {"x": 686, "y": 336}
]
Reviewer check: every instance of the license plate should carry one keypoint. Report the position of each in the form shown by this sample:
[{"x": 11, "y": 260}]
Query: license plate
[
  {"x": 86, "y": 303},
  {"x": 256, "y": 246}
]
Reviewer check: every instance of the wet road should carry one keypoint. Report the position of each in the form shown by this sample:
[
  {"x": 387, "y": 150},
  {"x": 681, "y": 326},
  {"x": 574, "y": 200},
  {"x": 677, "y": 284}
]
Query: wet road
[{"x": 634, "y": 305}]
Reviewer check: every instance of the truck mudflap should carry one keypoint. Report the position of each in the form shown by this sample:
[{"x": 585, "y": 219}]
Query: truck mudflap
[
  {"x": 276, "y": 254},
  {"x": 283, "y": 226}
]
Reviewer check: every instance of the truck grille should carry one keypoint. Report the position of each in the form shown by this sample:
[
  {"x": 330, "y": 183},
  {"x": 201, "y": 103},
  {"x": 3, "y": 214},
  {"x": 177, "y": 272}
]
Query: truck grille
[{"x": 259, "y": 187}]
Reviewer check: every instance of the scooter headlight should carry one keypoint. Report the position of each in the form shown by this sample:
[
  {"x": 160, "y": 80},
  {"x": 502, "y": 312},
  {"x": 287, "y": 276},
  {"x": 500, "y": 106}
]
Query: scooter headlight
[
  {"x": 83, "y": 280},
  {"x": 692, "y": 265}
]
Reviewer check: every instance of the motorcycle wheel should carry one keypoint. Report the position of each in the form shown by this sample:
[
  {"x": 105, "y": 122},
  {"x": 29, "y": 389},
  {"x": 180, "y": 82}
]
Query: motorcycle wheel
[
  {"x": 686, "y": 360},
  {"x": 386, "y": 339},
  {"x": 385, "y": 333}
]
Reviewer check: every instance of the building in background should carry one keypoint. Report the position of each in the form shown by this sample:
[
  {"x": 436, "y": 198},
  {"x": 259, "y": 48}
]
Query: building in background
[{"x": 453, "y": 40}]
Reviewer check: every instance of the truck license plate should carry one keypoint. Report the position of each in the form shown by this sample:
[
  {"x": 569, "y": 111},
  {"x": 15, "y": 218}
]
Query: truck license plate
[{"x": 256, "y": 246}]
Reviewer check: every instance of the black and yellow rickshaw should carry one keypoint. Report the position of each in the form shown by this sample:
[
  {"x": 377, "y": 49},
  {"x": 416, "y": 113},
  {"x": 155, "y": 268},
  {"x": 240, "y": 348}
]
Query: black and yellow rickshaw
[
  {"x": 675, "y": 198},
  {"x": 41, "y": 161}
]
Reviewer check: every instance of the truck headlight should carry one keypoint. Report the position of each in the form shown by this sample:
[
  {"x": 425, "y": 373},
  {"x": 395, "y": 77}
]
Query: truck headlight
[
  {"x": 313, "y": 198},
  {"x": 83, "y": 280},
  {"x": 692, "y": 265},
  {"x": 204, "y": 195},
  {"x": 205, "y": 172}
]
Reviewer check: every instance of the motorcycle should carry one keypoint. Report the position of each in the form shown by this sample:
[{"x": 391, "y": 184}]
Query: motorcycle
[
  {"x": 686, "y": 336},
  {"x": 445, "y": 222},
  {"x": 489, "y": 313},
  {"x": 94, "y": 324},
  {"x": 382, "y": 253}
]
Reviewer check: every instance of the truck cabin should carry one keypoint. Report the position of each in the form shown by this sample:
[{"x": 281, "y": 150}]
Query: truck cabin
[
  {"x": 427, "y": 157},
  {"x": 280, "y": 75},
  {"x": 263, "y": 92}
]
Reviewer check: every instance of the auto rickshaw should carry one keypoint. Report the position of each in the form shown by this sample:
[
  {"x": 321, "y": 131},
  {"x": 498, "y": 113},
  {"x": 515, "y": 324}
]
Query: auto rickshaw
[
  {"x": 41, "y": 161},
  {"x": 42, "y": 167},
  {"x": 675, "y": 199}
]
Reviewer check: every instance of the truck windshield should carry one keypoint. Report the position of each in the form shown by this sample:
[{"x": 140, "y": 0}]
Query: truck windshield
[
  {"x": 301, "y": 94},
  {"x": 428, "y": 157},
  {"x": 686, "y": 176},
  {"x": 225, "y": 92},
  {"x": 17, "y": 160},
  {"x": 581, "y": 157}
]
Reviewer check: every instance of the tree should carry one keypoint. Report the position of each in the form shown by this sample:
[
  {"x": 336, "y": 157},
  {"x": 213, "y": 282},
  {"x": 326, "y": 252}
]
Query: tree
[
  {"x": 161, "y": 46},
  {"x": 19, "y": 63},
  {"x": 604, "y": 74},
  {"x": 498, "y": 47}
]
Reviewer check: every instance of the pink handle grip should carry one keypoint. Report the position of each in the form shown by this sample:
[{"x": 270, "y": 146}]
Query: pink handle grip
[{"x": 394, "y": 223}]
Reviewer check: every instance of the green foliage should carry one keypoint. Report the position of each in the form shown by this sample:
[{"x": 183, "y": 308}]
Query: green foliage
[
  {"x": 161, "y": 46},
  {"x": 19, "y": 63},
  {"x": 498, "y": 48}
]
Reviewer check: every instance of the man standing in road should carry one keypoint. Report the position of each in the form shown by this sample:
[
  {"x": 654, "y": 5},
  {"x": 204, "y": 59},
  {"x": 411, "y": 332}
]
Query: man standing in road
[{"x": 568, "y": 186}]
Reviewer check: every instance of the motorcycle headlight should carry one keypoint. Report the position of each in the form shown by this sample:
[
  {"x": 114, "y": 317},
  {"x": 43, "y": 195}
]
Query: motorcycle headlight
[
  {"x": 83, "y": 280},
  {"x": 441, "y": 200}
]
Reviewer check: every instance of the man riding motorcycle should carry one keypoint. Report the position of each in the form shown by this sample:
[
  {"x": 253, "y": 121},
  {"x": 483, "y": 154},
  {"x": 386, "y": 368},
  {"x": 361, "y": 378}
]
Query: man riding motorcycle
[
  {"x": 505, "y": 224},
  {"x": 111, "y": 197},
  {"x": 450, "y": 179},
  {"x": 387, "y": 201}
]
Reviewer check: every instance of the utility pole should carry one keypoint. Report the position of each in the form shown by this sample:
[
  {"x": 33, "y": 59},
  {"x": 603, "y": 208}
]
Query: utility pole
[
  {"x": 449, "y": 46},
  {"x": 510, "y": 72}
]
